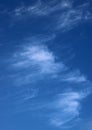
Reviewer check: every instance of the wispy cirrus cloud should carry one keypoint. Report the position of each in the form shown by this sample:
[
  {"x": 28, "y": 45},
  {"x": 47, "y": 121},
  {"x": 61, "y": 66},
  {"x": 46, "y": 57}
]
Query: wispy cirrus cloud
[
  {"x": 73, "y": 17},
  {"x": 41, "y": 8},
  {"x": 67, "y": 108},
  {"x": 35, "y": 63},
  {"x": 40, "y": 60},
  {"x": 65, "y": 14},
  {"x": 74, "y": 76}
]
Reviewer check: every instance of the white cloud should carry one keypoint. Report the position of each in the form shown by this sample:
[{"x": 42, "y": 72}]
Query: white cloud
[
  {"x": 38, "y": 57},
  {"x": 67, "y": 108},
  {"x": 73, "y": 17},
  {"x": 74, "y": 77},
  {"x": 39, "y": 54},
  {"x": 68, "y": 17},
  {"x": 42, "y": 8}
]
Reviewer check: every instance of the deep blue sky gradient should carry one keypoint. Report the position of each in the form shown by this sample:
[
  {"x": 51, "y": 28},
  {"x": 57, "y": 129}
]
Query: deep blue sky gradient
[{"x": 72, "y": 46}]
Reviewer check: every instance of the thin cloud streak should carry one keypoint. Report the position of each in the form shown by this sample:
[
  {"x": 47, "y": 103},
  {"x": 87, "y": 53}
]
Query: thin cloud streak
[
  {"x": 74, "y": 77},
  {"x": 43, "y": 9},
  {"x": 67, "y": 108},
  {"x": 68, "y": 17},
  {"x": 73, "y": 17}
]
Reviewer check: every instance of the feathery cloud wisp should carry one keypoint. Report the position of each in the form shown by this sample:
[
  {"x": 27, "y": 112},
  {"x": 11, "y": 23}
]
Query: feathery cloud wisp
[
  {"x": 67, "y": 108},
  {"x": 40, "y": 60},
  {"x": 37, "y": 62},
  {"x": 42, "y": 8},
  {"x": 74, "y": 77},
  {"x": 65, "y": 14},
  {"x": 39, "y": 57}
]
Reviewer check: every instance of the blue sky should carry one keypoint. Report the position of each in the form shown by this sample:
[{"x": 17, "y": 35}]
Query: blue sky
[{"x": 45, "y": 64}]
